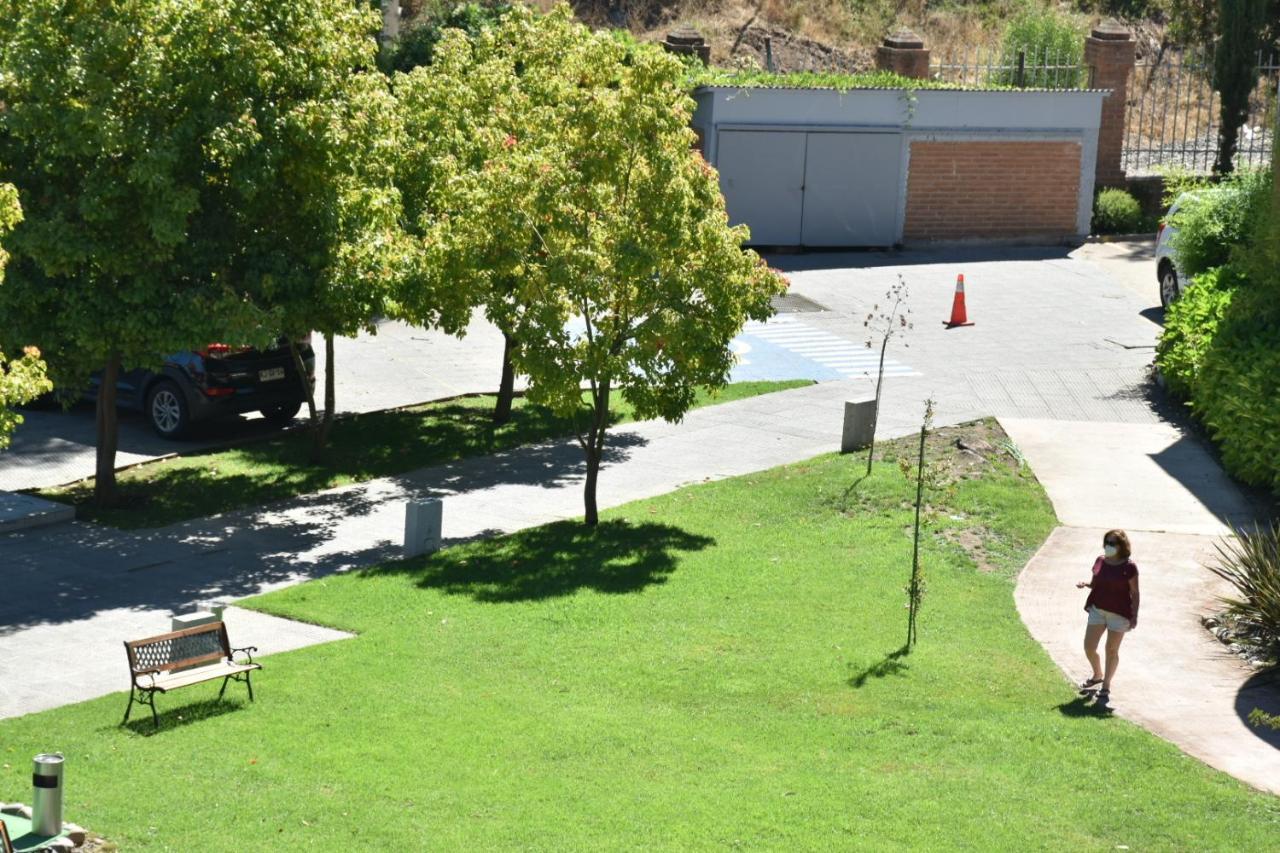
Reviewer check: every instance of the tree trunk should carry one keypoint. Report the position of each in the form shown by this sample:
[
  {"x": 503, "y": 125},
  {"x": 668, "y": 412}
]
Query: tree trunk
[
  {"x": 507, "y": 389},
  {"x": 330, "y": 402},
  {"x": 104, "y": 484},
  {"x": 310, "y": 393},
  {"x": 595, "y": 450},
  {"x": 875, "y": 416}
]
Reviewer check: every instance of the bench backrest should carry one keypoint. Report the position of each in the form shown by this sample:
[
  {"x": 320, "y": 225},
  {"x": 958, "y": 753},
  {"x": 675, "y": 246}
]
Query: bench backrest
[{"x": 179, "y": 649}]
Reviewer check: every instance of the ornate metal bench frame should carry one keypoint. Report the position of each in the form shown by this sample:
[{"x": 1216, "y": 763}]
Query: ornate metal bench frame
[{"x": 193, "y": 647}]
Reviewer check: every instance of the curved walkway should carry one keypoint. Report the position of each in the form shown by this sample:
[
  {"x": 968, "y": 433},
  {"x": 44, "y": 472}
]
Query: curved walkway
[{"x": 1175, "y": 502}]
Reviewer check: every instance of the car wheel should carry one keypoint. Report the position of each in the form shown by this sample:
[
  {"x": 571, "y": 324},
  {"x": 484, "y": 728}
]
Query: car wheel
[
  {"x": 281, "y": 414},
  {"x": 1169, "y": 290},
  {"x": 167, "y": 410}
]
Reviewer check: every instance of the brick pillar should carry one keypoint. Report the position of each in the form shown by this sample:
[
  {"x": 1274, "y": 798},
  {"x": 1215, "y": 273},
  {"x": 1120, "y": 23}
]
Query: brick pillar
[
  {"x": 686, "y": 41},
  {"x": 904, "y": 53},
  {"x": 1109, "y": 53}
]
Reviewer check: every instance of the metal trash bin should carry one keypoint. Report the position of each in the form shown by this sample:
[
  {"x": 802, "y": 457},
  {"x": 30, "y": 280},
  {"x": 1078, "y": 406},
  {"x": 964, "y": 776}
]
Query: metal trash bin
[{"x": 46, "y": 782}]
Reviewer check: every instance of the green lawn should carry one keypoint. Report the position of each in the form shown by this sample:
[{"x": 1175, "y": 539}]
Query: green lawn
[
  {"x": 363, "y": 447},
  {"x": 717, "y": 667}
]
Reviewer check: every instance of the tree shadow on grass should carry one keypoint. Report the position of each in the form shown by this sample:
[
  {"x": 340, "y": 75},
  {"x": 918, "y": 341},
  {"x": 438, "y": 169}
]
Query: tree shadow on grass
[
  {"x": 556, "y": 560},
  {"x": 891, "y": 664},
  {"x": 178, "y": 716}
]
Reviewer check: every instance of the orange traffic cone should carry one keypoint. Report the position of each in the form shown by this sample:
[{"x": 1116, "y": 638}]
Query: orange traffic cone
[{"x": 958, "y": 316}]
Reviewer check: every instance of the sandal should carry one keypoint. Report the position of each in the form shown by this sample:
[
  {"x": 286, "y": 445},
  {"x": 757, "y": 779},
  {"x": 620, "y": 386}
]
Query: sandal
[
  {"x": 1090, "y": 682},
  {"x": 1103, "y": 696}
]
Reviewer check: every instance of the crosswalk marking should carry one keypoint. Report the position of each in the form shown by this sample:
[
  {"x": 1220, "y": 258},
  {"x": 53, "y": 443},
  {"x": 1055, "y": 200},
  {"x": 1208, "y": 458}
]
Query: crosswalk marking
[{"x": 831, "y": 351}]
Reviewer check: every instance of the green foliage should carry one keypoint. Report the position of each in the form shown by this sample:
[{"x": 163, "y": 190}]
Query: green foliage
[
  {"x": 1046, "y": 37},
  {"x": 1178, "y": 180},
  {"x": 23, "y": 379},
  {"x": 1250, "y": 562},
  {"x": 700, "y": 75},
  {"x": 1115, "y": 211},
  {"x": 553, "y": 174},
  {"x": 191, "y": 171},
  {"x": 1235, "y": 72},
  {"x": 416, "y": 44},
  {"x": 1237, "y": 393},
  {"x": 1190, "y": 326},
  {"x": 1211, "y": 223}
]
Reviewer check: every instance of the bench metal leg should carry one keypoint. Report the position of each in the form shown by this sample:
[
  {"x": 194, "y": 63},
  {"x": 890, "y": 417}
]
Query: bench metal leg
[
  {"x": 224, "y": 686},
  {"x": 249, "y": 682},
  {"x": 142, "y": 697},
  {"x": 128, "y": 708}
]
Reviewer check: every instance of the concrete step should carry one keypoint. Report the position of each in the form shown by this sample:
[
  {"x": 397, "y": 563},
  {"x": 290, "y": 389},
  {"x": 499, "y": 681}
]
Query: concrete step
[{"x": 21, "y": 512}]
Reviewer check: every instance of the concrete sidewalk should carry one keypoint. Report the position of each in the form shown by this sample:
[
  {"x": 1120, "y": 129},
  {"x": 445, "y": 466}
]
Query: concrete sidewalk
[{"x": 1174, "y": 501}]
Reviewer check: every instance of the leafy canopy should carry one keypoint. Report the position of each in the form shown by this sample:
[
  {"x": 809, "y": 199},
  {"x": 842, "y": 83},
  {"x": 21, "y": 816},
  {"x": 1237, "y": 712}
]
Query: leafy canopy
[
  {"x": 563, "y": 186},
  {"x": 23, "y": 379}
]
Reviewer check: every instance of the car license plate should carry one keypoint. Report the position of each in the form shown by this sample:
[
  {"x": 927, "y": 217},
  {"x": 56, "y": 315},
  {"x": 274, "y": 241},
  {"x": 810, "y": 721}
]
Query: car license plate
[{"x": 271, "y": 375}]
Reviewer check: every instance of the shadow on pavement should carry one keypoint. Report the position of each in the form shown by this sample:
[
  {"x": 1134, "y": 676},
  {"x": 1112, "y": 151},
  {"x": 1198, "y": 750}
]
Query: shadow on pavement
[
  {"x": 820, "y": 259},
  {"x": 1262, "y": 693},
  {"x": 59, "y": 575},
  {"x": 555, "y": 560}
]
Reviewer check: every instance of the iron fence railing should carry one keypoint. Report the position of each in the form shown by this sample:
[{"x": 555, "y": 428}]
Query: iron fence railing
[
  {"x": 1029, "y": 68},
  {"x": 1172, "y": 115}
]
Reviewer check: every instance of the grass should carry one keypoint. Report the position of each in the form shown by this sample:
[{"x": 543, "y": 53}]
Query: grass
[
  {"x": 362, "y": 447},
  {"x": 720, "y": 666}
]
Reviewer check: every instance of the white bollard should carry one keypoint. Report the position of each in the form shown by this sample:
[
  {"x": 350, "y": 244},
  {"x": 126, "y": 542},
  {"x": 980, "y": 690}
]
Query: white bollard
[
  {"x": 423, "y": 521},
  {"x": 859, "y": 424}
]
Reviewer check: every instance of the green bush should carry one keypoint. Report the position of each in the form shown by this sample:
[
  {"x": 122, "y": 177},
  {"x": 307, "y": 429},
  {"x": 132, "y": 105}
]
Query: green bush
[
  {"x": 1190, "y": 325},
  {"x": 1237, "y": 390},
  {"x": 416, "y": 45},
  {"x": 1116, "y": 212},
  {"x": 1251, "y": 564},
  {"x": 1212, "y": 222},
  {"x": 1048, "y": 38}
]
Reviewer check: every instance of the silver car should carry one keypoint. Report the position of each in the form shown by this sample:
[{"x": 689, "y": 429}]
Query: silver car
[{"x": 1167, "y": 273}]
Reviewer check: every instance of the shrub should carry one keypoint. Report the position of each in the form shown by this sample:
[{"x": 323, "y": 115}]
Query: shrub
[
  {"x": 1190, "y": 325},
  {"x": 1048, "y": 38},
  {"x": 1251, "y": 564},
  {"x": 1116, "y": 212},
  {"x": 1212, "y": 222},
  {"x": 416, "y": 44},
  {"x": 1237, "y": 389}
]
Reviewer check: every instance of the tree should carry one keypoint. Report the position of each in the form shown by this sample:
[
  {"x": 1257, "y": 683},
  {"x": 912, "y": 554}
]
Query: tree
[
  {"x": 1235, "y": 70},
  {"x": 595, "y": 233},
  {"x": 887, "y": 324},
  {"x": 1234, "y": 31},
  {"x": 167, "y": 152},
  {"x": 21, "y": 379}
]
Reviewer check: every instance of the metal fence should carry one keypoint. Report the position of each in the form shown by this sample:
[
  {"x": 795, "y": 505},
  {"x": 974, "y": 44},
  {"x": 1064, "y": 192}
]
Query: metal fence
[
  {"x": 1172, "y": 116},
  {"x": 1030, "y": 68}
]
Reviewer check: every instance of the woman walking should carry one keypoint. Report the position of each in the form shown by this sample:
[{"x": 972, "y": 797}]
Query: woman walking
[{"x": 1112, "y": 606}]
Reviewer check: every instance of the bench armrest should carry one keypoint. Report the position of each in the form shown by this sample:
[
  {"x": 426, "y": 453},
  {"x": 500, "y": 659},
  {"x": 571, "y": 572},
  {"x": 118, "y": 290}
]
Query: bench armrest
[{"x": 248, "y": 653}]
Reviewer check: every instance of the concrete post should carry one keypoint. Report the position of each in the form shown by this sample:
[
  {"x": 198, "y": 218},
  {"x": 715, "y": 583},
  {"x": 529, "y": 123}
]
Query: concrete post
[
  {"x": 903, "y": 52},
  {"x": 859, "y": 424},
  {"x": 686, "y": 41},
  {"x": 390, "y": 21},
  {"x": 1110, "y": 53},
  {"x": 423, "y": 521}
]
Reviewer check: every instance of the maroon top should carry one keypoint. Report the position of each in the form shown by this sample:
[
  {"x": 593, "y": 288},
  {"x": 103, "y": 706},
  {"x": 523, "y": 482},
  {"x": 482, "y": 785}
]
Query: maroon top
[{"x": 1111, "y": 587}]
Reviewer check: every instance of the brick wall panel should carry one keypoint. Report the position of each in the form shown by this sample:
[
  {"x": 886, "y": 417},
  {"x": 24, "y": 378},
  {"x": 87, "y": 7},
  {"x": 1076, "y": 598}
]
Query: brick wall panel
[{"x": 975, "y": 189}]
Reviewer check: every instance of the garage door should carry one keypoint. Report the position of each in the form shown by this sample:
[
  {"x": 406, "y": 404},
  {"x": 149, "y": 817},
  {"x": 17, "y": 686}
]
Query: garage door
[
  {"x": 851, "y": 189},
  {"x": 796, "y": 188},
  {"x": 762, "y": 178}
]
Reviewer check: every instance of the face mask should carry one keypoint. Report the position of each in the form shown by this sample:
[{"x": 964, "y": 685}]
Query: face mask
[{"x": 1110, "y": 550}]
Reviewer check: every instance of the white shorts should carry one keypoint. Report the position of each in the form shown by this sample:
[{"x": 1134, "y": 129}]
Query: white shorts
[{"x": 1113, "y": 621}]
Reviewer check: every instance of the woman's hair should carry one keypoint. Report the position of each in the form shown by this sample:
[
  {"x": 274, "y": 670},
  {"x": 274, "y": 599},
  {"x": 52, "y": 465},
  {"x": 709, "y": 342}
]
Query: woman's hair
[{"x": 1123, "y": 549}]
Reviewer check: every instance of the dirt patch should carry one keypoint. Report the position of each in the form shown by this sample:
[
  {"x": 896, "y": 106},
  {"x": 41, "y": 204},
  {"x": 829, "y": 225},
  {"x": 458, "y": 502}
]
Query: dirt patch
[{"x": 962, "y": 451}]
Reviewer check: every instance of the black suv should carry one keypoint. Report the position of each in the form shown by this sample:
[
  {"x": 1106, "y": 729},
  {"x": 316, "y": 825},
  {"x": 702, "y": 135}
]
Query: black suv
[{"x": 216, "y": 381}]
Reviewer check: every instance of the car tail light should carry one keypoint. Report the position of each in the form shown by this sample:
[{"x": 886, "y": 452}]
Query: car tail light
[
  {"x": 1159, "y": 230},
  {"x": 218, "y": 392},
  {"x": 214, "y": 351}
]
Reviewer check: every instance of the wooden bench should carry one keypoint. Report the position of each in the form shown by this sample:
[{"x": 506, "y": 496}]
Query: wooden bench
[{"x": 181, "y": 658}]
